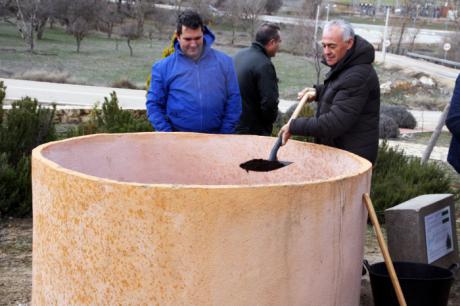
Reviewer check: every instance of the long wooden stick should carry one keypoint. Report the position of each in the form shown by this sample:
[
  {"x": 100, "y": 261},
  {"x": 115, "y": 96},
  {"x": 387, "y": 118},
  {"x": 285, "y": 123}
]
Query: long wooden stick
[{"x": 383, "y": 248}]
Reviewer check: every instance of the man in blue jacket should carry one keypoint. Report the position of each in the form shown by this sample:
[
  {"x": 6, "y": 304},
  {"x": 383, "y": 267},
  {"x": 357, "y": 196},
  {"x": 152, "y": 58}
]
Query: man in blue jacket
[
  {"x": 453, "y": 124},
  {"x": 195, "y": 89}
]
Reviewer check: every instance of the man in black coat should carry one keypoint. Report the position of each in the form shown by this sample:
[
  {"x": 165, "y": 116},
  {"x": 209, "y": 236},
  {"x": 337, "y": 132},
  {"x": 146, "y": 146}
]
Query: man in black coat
[
  {"x": 349, "y": 100},
  {"x": 258, "y": 82}
]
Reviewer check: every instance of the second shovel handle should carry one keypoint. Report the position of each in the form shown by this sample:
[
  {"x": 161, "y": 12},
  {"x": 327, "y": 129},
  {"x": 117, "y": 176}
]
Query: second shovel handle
[{"x": 384, "y": 249}]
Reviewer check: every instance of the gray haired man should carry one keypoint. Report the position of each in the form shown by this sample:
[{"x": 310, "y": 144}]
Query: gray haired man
[{"x": 349, "y": 100}]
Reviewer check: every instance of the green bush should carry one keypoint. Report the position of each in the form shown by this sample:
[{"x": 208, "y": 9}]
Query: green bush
[
  {"x": 397, "y": 178},
  {"x": 22, "y": 128},
  {"x": 26, "y": 125},
  {"x": 400, "y": 114},
  {"x": 111, "y": 118},
  {"x": 388, "y": 128}
]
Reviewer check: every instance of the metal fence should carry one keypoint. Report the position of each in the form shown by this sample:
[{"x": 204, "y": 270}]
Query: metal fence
[{"x": 435, "y": 60}]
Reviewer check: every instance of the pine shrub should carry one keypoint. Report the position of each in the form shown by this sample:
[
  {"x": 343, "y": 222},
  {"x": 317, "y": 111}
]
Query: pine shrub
[
  {"x": 111, "y": 118},
  {"x": 22, "y": 128},
  {"x": 402, "y": 117},
  {"x": 388, "y": 128},
  {"x": 397, "y": 178},
  {"x": 26, "y": 125}
]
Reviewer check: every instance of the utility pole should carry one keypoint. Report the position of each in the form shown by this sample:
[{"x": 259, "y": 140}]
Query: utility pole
[
  {"x": 385, "y": 34},
  {"x": 315, "y": 37}
]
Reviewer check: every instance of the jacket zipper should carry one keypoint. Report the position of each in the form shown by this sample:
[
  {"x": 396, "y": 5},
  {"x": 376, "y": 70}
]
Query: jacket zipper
[{"x": 200, "y": 95}]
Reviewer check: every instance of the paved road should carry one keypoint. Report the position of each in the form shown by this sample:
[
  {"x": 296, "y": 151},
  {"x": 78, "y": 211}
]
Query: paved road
[
  {"x": 444, "y": 74},
  {"x": 71, "y": 95},
  {"x": 372, "y": 33},
  {"x": 77, "y": 96}
]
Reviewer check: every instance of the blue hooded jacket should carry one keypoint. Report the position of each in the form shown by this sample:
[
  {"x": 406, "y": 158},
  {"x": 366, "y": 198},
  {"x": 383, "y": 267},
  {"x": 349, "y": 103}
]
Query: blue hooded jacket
[
  {"x": 190, "y": 96},
  {"x": 453, "y": 124}
]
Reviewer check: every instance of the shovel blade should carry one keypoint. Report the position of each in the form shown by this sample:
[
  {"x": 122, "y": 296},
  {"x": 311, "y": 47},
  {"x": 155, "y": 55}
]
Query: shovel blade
[{"x": 263, "y": 165}]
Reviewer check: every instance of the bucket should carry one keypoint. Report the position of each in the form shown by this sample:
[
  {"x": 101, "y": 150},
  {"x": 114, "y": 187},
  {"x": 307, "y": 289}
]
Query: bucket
[{"x": 422, "y": 284}]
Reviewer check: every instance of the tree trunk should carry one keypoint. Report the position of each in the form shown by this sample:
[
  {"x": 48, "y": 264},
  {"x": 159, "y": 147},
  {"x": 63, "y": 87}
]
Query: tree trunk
[
  {"x": 401, "y": 35},
  {"x": 41, "y": 28},
  {"x": 29, "y": 35},
  {"x": 130, "y": 48},
  {"x": 78, "y": 44},
  {"x": 435, "y": 135},
  {"x": 110, "y": 30}
]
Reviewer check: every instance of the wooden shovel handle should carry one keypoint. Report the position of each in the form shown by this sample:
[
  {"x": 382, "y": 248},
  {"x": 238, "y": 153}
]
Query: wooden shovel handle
[
  {"x": 302, "y": 102},
  {"x": 383, "y": 248}
]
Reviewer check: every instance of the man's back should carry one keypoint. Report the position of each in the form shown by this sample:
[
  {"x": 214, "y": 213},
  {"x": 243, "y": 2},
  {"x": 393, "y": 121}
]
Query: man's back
[{"x": 259, "y": 90}]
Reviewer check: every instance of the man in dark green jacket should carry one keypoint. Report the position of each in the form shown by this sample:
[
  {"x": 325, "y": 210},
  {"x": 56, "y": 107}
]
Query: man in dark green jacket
[
  {"x": 349, "y": 100},
  {"x": 258, "y": 82}
]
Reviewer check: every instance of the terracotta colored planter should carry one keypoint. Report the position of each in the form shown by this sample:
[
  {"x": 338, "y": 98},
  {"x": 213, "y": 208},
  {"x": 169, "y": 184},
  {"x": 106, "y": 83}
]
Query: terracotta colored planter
[{"x": 171, "y": 219}]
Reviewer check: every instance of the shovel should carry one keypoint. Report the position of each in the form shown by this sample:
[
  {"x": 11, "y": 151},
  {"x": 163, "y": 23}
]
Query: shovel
[{"x": 264, "y": 165}]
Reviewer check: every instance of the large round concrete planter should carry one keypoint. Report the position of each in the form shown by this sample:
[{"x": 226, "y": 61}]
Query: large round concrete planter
[{"x": 171, "y": 219}]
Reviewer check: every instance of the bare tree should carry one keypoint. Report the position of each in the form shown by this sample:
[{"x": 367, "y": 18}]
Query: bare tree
[
  {"x": 129, "y": 32},
  {"x": 178, "y": 6},
  {"x": 309, "y": 8},
  {"x": 300, "y": 39},
  {"x": 161, "y": 20},
  {"x": 80, "y": 17},
  {"x": 409, "y": 15},
  {"x": 139, "y": 13},
  {"x": 27, "y": 11},
  {"x": 136, "y": 9},
  {"x": 109, "y": 17},
  {"x": 273, "y": 6},
  {"x": 454, "y": 40},
  {"x": 232, "y": 16},
  {"x": 203, "y": 8},
  {"x": 250, "y": 13},
  {"x": 79, "y": 28}
]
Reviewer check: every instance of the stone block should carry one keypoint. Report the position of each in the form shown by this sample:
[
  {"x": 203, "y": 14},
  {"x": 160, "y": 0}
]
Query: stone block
[{"x": 423, "y": 230}]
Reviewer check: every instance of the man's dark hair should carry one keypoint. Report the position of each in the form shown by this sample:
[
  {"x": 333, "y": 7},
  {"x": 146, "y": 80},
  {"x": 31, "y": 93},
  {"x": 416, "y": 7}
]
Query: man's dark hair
[
  {"x": 189, "y": 19},
  {"x": 266, "y": 32}
]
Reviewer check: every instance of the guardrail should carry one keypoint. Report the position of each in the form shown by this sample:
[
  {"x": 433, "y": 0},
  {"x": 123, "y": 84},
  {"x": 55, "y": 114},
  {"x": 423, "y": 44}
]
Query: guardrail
[{"x": 435, "y": 60}]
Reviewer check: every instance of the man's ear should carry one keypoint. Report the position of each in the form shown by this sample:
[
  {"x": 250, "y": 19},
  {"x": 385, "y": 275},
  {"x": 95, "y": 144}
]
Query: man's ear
[{"x": 350, "y": 43}]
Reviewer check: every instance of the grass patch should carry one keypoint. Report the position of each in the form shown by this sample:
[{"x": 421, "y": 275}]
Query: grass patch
[{"x": 103, "y": 61}]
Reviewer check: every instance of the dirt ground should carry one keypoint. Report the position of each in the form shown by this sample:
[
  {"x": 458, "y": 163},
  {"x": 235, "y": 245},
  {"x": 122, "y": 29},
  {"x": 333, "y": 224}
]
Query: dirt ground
[{"x": 16, "y": 264}]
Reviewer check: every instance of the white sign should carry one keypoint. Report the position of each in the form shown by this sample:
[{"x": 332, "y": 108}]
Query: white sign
[
  {"x": 446, "y": 47},
  {"x": 438, "y": 230},
  {"x": 387, "y": 43}
]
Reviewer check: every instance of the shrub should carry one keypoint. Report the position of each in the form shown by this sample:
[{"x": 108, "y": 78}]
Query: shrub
[
  {"x": 397, "y": 178},
  {"x": 26, "y": 125},
  {"x": 124, "y": 84},
  {"x": 111, "y": 118},
  {"x": 22, "y": 128},
  {"x": 45, "y": 76},
  {"x": 388, "y": 128},
  {"x": 402, "y": 117}
]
